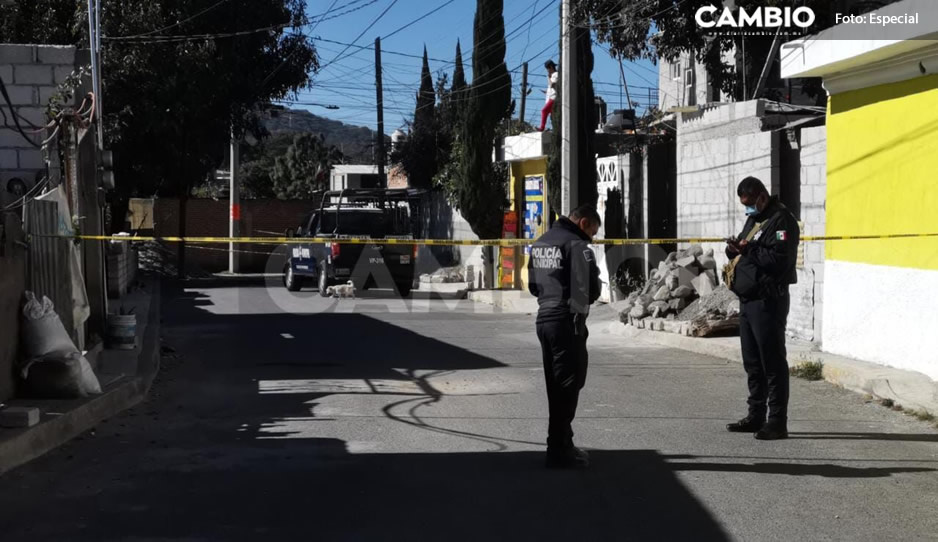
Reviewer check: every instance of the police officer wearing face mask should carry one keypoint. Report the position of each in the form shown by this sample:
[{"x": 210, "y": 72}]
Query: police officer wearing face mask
[
  {"x": 563, "y": 275},
  {"x": 768, "y": 250}
]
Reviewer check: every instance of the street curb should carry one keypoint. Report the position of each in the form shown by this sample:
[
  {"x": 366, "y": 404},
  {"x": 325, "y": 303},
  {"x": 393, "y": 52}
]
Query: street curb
[
  {"x": 511, "y": 301},
  {"x": 910, "y": 389},
  {"x": 33, "y": 442}
]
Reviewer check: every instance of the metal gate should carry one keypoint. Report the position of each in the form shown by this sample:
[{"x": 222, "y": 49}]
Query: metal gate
[{"x": 48, "y": 271}]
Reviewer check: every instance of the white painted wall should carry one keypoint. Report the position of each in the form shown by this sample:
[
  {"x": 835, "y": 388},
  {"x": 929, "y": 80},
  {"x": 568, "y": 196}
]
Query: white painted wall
[
  {"x": 611, "y": 174},
  {"x": 866, "y": 304},
  {"x": 672, "y": 83}
]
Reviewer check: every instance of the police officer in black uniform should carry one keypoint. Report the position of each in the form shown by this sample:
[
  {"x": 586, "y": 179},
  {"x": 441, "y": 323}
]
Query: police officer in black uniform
[
  {"x": 563, "y": 275},
  {"x": 768, "y": 251}
]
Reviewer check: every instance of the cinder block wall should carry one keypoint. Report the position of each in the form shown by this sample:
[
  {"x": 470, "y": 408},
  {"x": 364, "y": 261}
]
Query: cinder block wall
[
  {"x": 717, "y": 148},
  {"x": 31, "y": 74},
  {"x": 813, "y": 212}
]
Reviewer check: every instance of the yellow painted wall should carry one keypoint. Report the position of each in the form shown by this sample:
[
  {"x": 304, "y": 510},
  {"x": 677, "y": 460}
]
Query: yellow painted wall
[
  {"x": 519, "y": 170},
  {"x": 882, "y": 173}
]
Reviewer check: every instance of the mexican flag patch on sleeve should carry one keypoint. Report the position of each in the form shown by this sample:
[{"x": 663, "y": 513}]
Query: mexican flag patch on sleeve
[{"x": 781, "y": 235}]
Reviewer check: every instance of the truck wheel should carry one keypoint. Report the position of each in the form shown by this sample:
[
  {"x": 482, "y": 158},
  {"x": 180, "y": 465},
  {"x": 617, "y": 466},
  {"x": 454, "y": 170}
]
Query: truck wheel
[
  {"x": 323, "y": 281},
  {"x": 292, "y": 282}
]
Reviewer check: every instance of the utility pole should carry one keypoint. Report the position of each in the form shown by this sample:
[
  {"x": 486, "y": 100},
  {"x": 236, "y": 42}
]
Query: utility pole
[
  {"x": 234, "y": 223},
  {"x": 379, "y": 146},
  {"x": 524, "y": 92},
  {"x": 94, "y": 47},
  {"x": 760, "y": 86},
  {"x": 568, "y": 149}
]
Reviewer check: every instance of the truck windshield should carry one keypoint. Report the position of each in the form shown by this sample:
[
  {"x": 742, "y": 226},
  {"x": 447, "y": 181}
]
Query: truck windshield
[{"x": 366, "y": 222}]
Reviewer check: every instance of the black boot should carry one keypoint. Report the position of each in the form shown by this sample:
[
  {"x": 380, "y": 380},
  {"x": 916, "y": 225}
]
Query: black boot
[
  {"x": 749, "y": 424},
  {"x": 773, "y": 430},
  {"x": 567, "y": 458}
]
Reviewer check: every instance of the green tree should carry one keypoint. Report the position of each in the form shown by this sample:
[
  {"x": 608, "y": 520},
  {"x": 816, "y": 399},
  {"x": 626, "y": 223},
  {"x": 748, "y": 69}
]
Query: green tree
[
  {"x": 450, "y": 106},
  {"x": 258, "y": 162},
  {"x": 459, "y": 75},
  {"x": 304, "y": 169},
  {"x": 170, "y": 104},
  {"x": 479, "y": 191},
  {"x": 666, "y": 28},
  {"x": 418, "y": 153},
  {"x": 40, "y": 21}
]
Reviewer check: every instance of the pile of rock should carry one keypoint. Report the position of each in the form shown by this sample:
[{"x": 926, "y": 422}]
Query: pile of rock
[
  {"x": 445, "y": 275},
  {"x": 721, "y": 304},
  {"x": 681, "y": 278}
]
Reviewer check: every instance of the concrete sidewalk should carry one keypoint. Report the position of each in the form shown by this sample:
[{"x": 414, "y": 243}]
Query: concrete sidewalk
[
  {"x": 516, "y": 301},
  {"x": 909, "y": 389},
  {"x": 125, "y": 376}
]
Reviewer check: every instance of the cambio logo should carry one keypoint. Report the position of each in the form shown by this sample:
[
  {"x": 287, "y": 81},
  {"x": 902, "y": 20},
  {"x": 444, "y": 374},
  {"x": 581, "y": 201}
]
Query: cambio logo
[{"x": 761, "y": 17}]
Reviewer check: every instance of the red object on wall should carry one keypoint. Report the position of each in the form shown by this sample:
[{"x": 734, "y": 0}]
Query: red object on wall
[{"x": 507, "y": 254}]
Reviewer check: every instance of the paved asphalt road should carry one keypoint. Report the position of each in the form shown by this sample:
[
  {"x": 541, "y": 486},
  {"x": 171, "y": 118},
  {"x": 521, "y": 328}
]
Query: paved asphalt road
[{"x": 290, "y": 417}]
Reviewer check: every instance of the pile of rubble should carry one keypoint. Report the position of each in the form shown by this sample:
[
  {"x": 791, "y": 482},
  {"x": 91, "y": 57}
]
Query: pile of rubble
[
  {"x": 719, "y": 305},
  {"x": 445, "y": 275},
  {"x": 681, "y": 278}
]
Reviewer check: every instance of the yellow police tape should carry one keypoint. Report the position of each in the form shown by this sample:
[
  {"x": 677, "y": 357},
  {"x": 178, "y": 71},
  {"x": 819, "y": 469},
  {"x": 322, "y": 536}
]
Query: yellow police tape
[{"x": 447, "y": 242}]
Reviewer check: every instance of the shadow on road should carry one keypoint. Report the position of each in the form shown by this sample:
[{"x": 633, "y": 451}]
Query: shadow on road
[
  {"x": 799, "y": 469},
  {"x": 312, "y": 489},
  {"x": 200, "y": 460},
  {"x": 903, "y": 437}
]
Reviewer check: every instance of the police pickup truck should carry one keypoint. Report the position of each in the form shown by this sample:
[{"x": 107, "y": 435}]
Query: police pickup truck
[{"x": 384, "y": 260}]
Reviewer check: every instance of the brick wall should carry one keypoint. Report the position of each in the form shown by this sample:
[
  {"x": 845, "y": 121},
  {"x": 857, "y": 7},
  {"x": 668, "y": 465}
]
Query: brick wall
[
  {"x": 209, "y": 218},
  {"x": 31, "y": 74}
]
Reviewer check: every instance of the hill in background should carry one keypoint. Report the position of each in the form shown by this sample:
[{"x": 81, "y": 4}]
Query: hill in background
[{"x": 355, "y": 142}]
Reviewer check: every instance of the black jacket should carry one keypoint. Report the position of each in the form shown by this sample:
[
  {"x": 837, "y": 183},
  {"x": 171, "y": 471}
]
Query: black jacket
[
  {"x": 768, "y": 262},
  {"x": 562, "y": 272}
]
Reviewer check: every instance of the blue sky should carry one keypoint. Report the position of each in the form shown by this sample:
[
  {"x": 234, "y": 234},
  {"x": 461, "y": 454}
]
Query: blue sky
[{"x": 348, "y": 79}]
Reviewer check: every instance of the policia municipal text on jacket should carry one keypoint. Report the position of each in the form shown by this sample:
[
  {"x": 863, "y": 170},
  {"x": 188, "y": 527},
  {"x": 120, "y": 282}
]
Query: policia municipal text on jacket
[
  {"x": 767, "y": 249},
  {"x": 563, "y": 275}
]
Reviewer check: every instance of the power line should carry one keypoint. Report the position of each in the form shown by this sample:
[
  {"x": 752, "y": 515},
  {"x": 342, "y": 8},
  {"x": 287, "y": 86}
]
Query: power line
[
  {"x": 418, "y": 19},
  {"x": 180, "y": 23},
  {"x": 362, "y": 33},
  {"x": 295, "y": 49}
]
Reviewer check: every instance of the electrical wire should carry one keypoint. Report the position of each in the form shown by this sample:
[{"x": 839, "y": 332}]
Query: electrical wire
[
  {"x": 418, "y": 19},
  {"x": 180, "y": 23},
  {"x": 293, "y": 52},
  {"x": 16, "y": 120},
  {"x": 362, "y": 33}
]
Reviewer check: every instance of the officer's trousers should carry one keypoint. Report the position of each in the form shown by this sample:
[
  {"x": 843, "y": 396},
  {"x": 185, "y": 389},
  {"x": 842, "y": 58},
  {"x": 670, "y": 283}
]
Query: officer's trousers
[
  {"x": 762, "y": 337},
  {"x": 565, "y": 361}
]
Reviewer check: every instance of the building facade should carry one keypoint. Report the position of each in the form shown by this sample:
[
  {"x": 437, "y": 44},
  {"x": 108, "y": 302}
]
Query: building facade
[{"x": 882, "y": 153}]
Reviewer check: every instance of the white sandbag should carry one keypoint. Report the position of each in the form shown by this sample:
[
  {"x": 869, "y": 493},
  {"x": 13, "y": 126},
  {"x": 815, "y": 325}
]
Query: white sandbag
[
  {"x": 43, "y": 332},
  {"x": 59, "y": 375}
]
